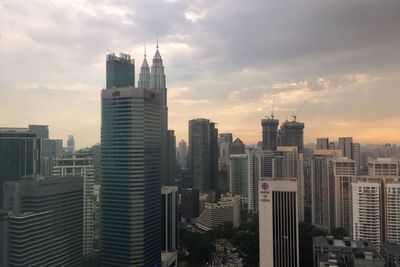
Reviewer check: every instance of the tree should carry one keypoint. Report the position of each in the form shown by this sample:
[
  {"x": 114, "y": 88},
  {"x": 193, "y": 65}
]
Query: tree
[
  {"x": 339, "y": 233},
  {"x": 306, "y": 233}
]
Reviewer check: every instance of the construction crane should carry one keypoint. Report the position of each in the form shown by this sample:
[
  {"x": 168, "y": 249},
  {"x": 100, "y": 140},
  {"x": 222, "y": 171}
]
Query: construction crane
[
  {"x": 272, "y": 111},
  {"x": 295, "y": 114}
]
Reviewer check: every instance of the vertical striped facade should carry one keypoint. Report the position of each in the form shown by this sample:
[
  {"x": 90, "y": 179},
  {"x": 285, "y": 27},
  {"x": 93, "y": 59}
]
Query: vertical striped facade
[
  {"x": 278, "y": 223},
  {"x": 131, "y": 172}
]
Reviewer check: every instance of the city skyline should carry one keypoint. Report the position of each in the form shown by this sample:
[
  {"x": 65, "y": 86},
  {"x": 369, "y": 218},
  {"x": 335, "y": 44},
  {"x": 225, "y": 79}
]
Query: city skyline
[{"x": 341, "y": 59}]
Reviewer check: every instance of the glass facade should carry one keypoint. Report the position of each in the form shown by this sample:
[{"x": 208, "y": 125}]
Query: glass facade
[{"x": 131, "y": 171}]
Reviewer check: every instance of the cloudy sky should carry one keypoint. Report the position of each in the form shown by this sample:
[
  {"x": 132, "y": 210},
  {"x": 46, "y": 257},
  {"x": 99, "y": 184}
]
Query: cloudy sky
[{"x": 225, "y": 60}]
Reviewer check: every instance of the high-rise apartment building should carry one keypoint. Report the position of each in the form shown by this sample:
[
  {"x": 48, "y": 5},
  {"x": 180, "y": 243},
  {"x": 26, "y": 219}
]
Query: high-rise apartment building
[
  {"x": 278, "y": 223},
  {"x": 291, "y": 134},
  {"x": 367, "y": 211},
  {"x": 133, "y": 138},
  {"x": 384, "y": 167},
  {"x": 269, "y": 133},
  {"x": 202, "y": 148},
  {"x": 44, "y": 222},
  {"x": 322, "y": 187},
  {"x": 391, "y": 213},
  {"x": 81, "y": 165},
  {"x": 19, "y": 155},
  {"x": 345, "y": 146}
]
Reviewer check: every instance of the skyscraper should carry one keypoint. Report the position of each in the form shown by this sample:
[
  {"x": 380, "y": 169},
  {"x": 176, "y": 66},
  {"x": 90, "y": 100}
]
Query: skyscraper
[
  {"x": 45, "y": 221},
  {"x": 238, "y": 177},
  {"x": 224, "y": 141},
  {"x": 202, "y": 148},
  {"x": 270, "y": 133},
  {"x": 291, "y": 134},
  {"x": 182, "y": 154},
  {"x": 237, "y": 147},
  {"x": 190, "y": 203},
  {"x": 19, "y": 155},
  {"x": 278, "y": 223},
  {"x": 41, "y": 131},
  {"x": 81, "y": 165},
  {"x": 70, "y": 144},
  {"x": 169, "y": 222},
  {"x": 133, "y": 124},
  {"x": 345, "y": 146},
  {"x": 322, "y": 143},
  {"x": 171, "y": 158},
  {"x": 120, "y": 71}
]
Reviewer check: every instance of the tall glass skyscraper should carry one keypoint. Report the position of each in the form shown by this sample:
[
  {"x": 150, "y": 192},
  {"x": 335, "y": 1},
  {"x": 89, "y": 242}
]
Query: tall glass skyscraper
[
  {"x": 120, "y": 71},
  {"x": 131, "y": 149}
]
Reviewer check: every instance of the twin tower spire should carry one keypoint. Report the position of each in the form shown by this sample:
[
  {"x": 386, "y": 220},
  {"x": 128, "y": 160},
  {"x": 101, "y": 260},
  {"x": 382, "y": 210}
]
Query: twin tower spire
[{"x": 154, "y": 79}]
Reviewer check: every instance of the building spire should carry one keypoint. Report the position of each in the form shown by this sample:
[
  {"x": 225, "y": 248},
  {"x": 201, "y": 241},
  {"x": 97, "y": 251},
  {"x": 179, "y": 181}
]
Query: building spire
[
  {"x": 144, "y": 49},
  {"x": 157, "y": 40}
]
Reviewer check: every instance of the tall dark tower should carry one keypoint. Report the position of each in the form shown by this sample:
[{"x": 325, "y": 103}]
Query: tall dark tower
[
  {"x": 131, "y": 147},
  {"x": 270, "y": 133},
  {"x": 120, "y": 71}
]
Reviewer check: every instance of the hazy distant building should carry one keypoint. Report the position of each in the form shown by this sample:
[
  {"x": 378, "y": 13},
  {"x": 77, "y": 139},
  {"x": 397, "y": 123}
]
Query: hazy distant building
[
  {"x": 120, "y": 71},
  {"x": 351, "y": 150},
  {"x": 81, "y": 165},
  {"x": 52, "y": 218},
  {"x": 225, "y": 140},
  {"x": 70, "y": 144},
  {"x": 291, "y": 134},
  {"x": 182, "y": 154},
  {"x": 19, "y": 155},
  {"x": 322, "y": 143},
  {"x": 384, "y": 167},
  {"x": 269, "y": 133},
  {"x": 202, "y": 148},
  {"x": 278, "y": 223},
  {"x": 237, "y": 147},
  {"x": 51, "y": 149}
]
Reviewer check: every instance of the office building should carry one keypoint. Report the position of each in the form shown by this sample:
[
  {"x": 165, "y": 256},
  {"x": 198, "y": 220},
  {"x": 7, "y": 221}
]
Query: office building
[
  {"x": 202, "y": 159},
  {"x": 322, "y": 143},
  {"x": 19, "y": 155},
  {"x": 237, "y": 147},
  {"x": 291, "y": 134},
  {"x": 41, "y": 131},
  {"x": 81, "y": 165},
  {"x": 225, "y": 141},
  {"x": 132, "y": 152},
  {"x": 120, "y": 71},
  {"x": 171, "y": 158},
  {"x": 227, "y": 209},
  {"x": 351, "y": 150},
  {"x": 53, "y": 218},
  {"x": 70, "y": 144},
  {"x": 51, "y": 149},
  {"x": 182, "y": 154},
  {"x": 238, "y": 180},
  {"x": 269, "y": 133},
  {"x": 252, "y": 180},
  {"x": 278, "y": 223},
  {"x": 190, "y": 204},
  {"x": 169, "y": 226},
  {"x": 345, "y": 252}
]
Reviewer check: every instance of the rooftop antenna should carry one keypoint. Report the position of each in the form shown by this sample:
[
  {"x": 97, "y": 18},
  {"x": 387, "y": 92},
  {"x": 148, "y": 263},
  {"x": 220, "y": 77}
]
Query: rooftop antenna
[{"x": 157, "y": 40}]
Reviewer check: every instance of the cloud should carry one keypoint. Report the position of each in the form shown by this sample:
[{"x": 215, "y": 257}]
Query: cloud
[{"x": 225, "y": 60}]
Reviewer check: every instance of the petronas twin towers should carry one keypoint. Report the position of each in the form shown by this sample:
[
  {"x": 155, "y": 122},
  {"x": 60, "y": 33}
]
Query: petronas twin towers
[{"x": 133, "y": 150}]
